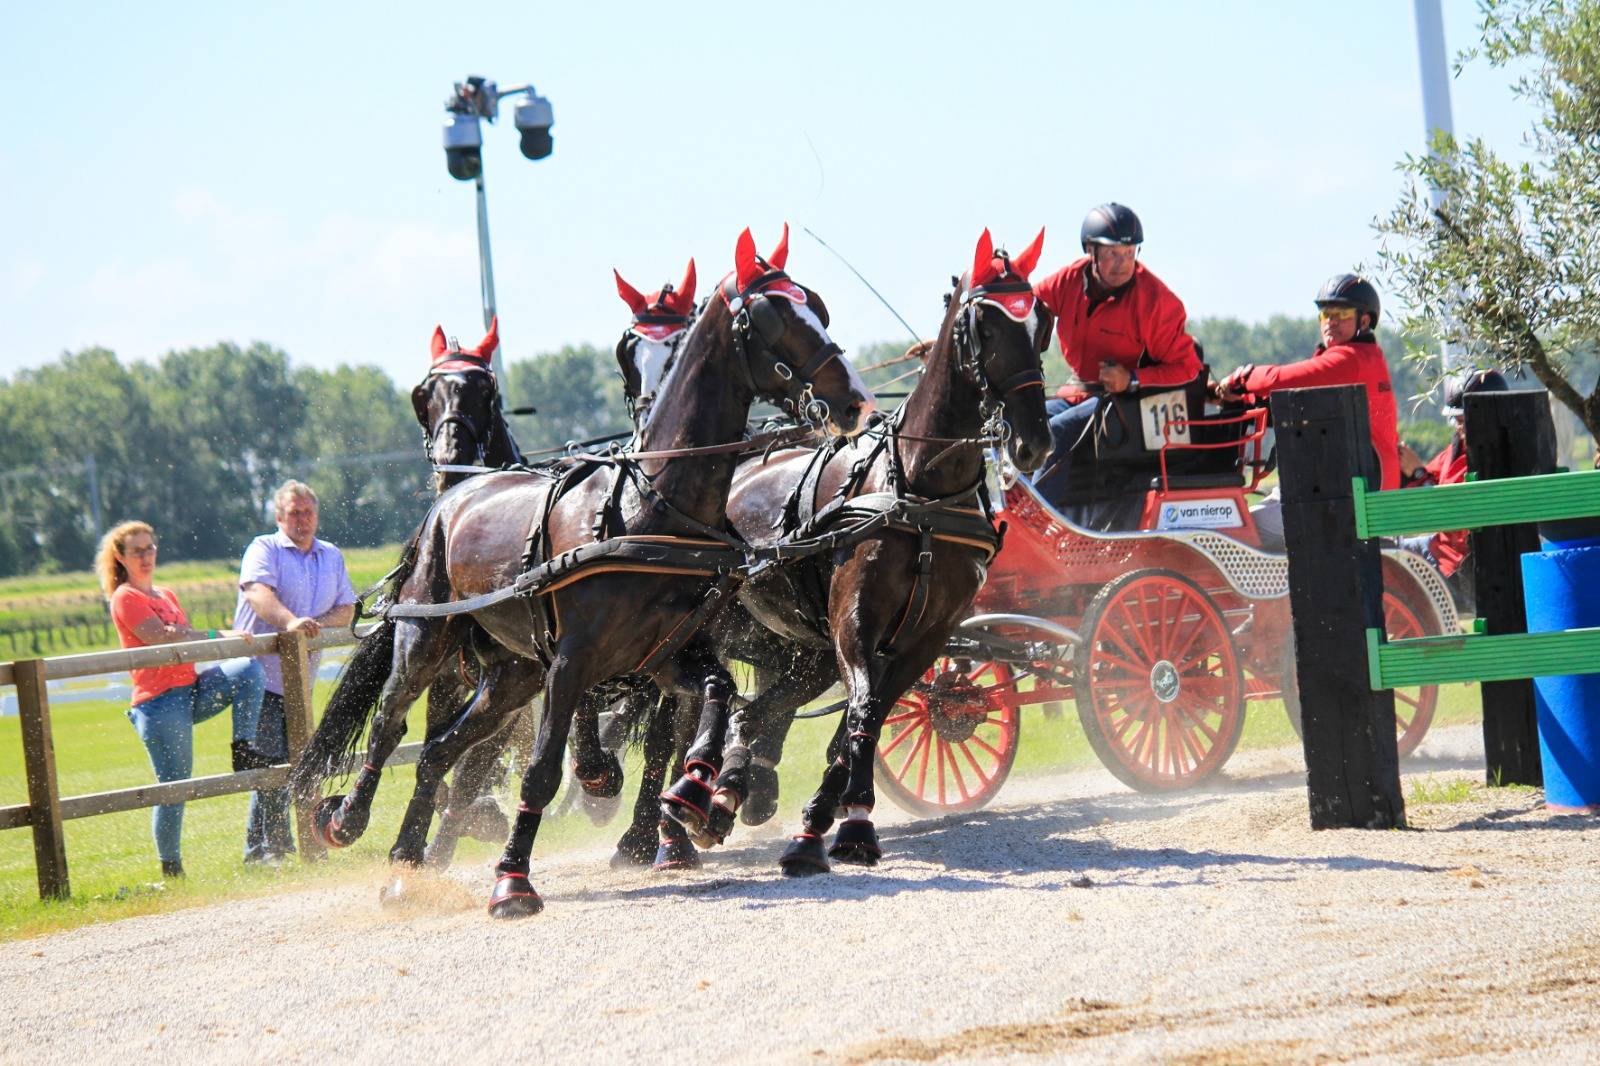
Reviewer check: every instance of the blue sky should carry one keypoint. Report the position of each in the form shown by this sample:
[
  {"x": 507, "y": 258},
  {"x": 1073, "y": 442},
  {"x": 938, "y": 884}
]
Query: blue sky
[{"x": 177, "y": 174}]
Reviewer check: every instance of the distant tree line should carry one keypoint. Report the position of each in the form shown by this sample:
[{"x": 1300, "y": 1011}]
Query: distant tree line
[{"x": 195, "y": 443}]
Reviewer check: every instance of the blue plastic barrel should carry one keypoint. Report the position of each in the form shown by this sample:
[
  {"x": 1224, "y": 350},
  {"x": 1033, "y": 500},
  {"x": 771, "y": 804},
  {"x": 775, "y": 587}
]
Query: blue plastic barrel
[{"x": 1562, "y": 591}]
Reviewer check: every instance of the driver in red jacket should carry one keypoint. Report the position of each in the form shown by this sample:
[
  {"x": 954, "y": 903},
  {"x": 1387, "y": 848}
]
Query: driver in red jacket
[
  {"x": 1347, "y": 309},
  {"x": 1119, "y": 326}
]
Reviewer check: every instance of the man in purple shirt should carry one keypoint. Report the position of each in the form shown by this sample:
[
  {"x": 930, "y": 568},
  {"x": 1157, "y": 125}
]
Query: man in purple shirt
[{"x": 289, "y": 581}]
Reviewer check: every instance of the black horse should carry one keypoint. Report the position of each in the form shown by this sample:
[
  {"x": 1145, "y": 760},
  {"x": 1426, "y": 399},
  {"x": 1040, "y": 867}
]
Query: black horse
[
  {"x": 884, "y": 604},
  {"x": 594, "y": 622}
]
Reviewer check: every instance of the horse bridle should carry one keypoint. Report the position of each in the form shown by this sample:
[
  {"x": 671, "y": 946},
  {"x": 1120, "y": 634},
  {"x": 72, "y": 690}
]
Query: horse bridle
[
  {"x": 482, "y": 440},
  {"x": 758, "y": 326},
  {"x": 969, "y": 346}
]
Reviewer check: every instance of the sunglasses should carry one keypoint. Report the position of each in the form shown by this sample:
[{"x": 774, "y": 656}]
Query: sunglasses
[{"x": 1336, "y": 314}]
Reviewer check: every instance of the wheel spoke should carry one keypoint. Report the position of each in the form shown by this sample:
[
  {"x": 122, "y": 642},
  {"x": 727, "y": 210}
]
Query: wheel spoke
[
  {"x": 905, "y": 766},
  {"x": 1138, "y": 628},
  {"x": 955, "y": 772},
  {"x": 984, "y": 778},
  {"x": 906, "y": 716}
]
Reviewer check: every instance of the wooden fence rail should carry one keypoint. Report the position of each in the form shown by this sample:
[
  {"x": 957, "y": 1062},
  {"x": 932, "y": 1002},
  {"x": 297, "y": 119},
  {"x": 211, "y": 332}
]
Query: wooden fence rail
[{"x": 46, "y": 809}]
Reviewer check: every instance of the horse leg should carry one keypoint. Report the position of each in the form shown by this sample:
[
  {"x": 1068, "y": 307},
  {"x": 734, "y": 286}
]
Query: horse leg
[
  {"x": 513, "y": 895},
  {"x": 873, "y": 692},
  {"x": 597, "y": 771},
  {"x": 502, "y": 687},
  {"x": 482, "y": 818},
  {"x": 759, "y": 729},
  {"x": 805, "y": 855},
  {"x": 638, "y": 846},
  {"x": 690, "y": 801},
  {"x": 420, "y": 650}
]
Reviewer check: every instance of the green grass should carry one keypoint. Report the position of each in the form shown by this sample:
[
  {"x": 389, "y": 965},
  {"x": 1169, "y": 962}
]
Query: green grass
[{"x": 1430, "y": 791}]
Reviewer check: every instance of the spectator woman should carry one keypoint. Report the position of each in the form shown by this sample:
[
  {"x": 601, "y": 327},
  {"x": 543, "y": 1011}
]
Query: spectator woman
[{"x": 168, "y": 701}]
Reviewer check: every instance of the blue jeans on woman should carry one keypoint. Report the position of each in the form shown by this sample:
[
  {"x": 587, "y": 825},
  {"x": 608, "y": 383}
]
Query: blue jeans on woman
[{"x": 166, "y": 725}]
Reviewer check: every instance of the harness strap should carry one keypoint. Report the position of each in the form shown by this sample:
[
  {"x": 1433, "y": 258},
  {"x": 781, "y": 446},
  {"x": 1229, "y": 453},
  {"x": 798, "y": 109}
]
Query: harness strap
[{"x": 917, "y": 600}]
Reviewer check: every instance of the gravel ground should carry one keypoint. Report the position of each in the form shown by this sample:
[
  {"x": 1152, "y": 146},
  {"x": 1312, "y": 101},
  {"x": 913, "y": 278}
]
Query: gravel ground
[{"x": 1076, "y": 921}]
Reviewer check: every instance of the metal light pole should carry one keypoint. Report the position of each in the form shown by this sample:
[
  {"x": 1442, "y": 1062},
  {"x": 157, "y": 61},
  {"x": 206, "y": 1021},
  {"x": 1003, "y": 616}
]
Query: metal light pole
[
  {"x": 1436, "y": 115},
  {"x": 473, "y": 100}
]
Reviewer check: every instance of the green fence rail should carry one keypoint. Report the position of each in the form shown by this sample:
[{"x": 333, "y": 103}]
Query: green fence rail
[{"x": 1474, "y": 505}]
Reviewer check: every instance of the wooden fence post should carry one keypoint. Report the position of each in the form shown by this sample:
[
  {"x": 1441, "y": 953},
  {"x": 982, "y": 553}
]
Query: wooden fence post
[
  {"x": 1509, "y": 434},
  {"x": 1335, "y": 596},
  {"x": 44, "y": 797},
  {"x": 300, "y": 721}
]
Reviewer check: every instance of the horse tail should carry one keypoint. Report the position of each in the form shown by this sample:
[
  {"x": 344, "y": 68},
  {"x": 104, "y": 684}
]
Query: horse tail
[
  {"x": 353, "y": 705},
  {"x": 356, "y": 695}
]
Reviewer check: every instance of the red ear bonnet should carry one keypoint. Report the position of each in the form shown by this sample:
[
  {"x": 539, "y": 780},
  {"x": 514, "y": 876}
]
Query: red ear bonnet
[
  {"x": 780, "y": 254},
  {"x": 439, "y": 345},
  {"x": 746, "y": 264},
  {"x": 983, "y": 268},
  {"x": 1024, "y": 263},
  {"x": 681, "y": 302},
  {"x": 490, "y": 342},
  {"x": 630, "y": 295}
]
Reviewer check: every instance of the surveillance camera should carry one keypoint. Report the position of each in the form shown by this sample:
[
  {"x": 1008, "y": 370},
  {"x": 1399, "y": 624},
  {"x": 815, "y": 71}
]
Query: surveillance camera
[
  {"x": 463, "y": 141},
  {"x": 534, "y": 117}
]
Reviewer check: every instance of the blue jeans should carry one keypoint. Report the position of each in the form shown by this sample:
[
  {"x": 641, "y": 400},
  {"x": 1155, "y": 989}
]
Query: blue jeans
[
  {"x": 166, "y": 725},
  {"x": 1068, "y": 424},
  {"x": 267, "y": 831}
]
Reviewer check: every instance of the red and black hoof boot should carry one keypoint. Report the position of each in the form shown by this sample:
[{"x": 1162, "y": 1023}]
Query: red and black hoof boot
[
  {"x": 720, "y": 824},
  {"x": 604, "y": 782},
  {"x": 762, "y": 802},
  {"x": 324, "y": 826},
  {"x": 804, "y": 856},
  {"x": 514, "y": 897},
  {"x": 856, "y": 843},
  {"x": 485, "y": 821},
  {"x": 688, "y": 802},
  {"x": 676, "y": 854}
]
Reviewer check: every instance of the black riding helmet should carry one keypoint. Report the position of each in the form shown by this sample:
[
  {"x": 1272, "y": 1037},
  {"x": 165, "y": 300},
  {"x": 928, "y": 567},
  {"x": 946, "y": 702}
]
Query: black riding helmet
[
  {"x": 1350, "y": 290},
  {"x": 1455, "y": 393},
  {"x": 1111, "y": 224}
]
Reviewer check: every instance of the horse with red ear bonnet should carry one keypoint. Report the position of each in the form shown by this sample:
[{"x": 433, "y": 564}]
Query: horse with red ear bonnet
[
  {"x": 458, "y": 407},
  {"x": 618, "y": 597},
  {"x": 646, "y": 348},
  {"x": 892, "y": 596}
]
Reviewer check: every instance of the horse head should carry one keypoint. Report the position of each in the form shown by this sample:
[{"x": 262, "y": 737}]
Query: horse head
[
  {"x": 647, "y": 347},
  {"x": 780, "y": 334},
  {"x": 458, "y": 407},
  {"x": 1000, "y": 332}
]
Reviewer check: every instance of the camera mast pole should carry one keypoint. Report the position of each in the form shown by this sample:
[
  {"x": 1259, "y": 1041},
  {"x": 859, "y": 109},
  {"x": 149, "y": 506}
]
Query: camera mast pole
[{"x": 486, "y": 280}]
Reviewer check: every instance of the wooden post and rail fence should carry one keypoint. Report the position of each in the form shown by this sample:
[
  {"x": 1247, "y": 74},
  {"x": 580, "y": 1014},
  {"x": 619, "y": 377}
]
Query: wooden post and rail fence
[
  {"x": 1347, "y": 668},
  {"x": 47, "y": 809}
]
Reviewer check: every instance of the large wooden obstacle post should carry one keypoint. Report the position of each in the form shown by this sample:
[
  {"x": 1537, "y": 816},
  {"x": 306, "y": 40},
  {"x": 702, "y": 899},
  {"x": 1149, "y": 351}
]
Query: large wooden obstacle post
[
  {"x": 44, "y": 796},
  {"x": 1336, "y": 595},
  {"x": 299, "y": 721},
  {"x": 1509, "y": 434}
]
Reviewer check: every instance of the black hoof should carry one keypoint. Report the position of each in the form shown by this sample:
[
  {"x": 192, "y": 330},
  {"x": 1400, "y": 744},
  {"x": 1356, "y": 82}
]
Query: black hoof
[
  {"x": 688, "y": 802},
  {"x": 635, "y": 849},
  {"x": 604, "y": 783},
  {"x": 514, "y": 897},
  {"x": 328, "y": 832},
  {"x": 485, "y": 821},
  {"x": 762, "y": 803},
  {"x": 804, "y": 856},
  {"x": 676, "y": 854},
  {"x": 720, "y": 824},
  {"x": 856, "y": 844}
]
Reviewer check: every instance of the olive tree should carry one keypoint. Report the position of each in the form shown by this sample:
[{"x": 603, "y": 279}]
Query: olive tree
[{"x": 1507, "y": 266}]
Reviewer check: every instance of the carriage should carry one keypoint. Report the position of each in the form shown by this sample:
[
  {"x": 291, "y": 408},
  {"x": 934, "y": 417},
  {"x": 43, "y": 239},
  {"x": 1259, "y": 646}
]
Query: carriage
[{"x": 1153, "y": 610}]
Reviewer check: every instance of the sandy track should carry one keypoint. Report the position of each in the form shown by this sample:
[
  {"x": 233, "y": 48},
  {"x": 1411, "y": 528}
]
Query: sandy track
[{"x": 1074, "y": 922}]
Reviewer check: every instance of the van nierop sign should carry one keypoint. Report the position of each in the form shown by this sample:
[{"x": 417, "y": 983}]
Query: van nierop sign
[{"x": 1220, "y": 513}]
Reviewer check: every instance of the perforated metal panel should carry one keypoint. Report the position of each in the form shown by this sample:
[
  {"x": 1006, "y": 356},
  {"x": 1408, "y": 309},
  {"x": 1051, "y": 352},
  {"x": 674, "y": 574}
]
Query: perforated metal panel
[
  {"x": 1250, "y": 571},
  {"x": 1438, "y": 593}
]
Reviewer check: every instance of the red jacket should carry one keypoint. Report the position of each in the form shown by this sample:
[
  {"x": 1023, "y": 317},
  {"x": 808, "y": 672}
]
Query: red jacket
[
  {"x": 1449, "y": 467},
  {"x": 1360, "y": 362},
  {"x": 1140, "y": 327}
]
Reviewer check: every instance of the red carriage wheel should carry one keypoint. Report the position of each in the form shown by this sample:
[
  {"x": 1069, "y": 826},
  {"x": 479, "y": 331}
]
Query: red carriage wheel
[
  {"x": 949, "y": 742},
  {"x": 1160, "y": 689},
  {"x": 1413, "y": 704}
]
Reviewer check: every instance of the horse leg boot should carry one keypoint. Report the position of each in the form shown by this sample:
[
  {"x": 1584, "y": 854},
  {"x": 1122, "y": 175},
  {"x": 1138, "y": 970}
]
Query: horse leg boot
[
  {"x": 805, "y": 855},
  {"x": 597, "y": 771},
  {"x": 856, "y": 842},
  {"x": 691, "y": 800},
  {"x": 640, "y": 846},
  {"x": 759, "y": 729},
  {"x": 513, "y": 895}
]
